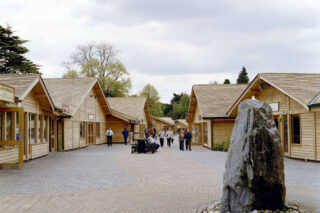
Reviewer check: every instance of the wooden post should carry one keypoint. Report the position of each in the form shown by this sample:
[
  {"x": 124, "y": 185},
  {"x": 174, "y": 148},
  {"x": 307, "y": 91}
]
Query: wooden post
[
  {"x": 314, "y": 137},
  {"x": 21, "y": 137},
  {"x": 13, "y": 126},
  {"x": 41, "y": 129},
  {"x": 289, "y": 134},
  {"x": 36, "y": 123},
  {"x": 202, "y": 133}
]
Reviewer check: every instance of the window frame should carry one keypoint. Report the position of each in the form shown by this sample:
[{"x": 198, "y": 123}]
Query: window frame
[{"x": 293, "y": 142}]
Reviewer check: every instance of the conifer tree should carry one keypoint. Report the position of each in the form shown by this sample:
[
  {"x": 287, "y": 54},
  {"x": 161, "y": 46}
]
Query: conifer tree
[
  {"x": 243, "y": 77},
  {"x": 12, "y": 52},
  {"x": 226, "y": 81}
]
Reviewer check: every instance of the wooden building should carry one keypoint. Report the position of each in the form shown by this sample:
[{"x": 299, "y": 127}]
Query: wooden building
[
  {"x": 128, "y": 112},
  {"x": 181, "y": 124},
  {"x": 295, "y": 101},
  {"x": 27, "y": 118},
  {"x": 162, "y": 123},
  {"x": 83, "y": 111},
  {"x": 207, "y": 113}
]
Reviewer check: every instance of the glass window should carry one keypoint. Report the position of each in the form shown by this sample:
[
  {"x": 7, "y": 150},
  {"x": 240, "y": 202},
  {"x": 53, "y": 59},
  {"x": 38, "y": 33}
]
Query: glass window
[
  {"x": 45, "y": 135},
  {"x": 9, "y": 124},
  {"x": 32, "y": 127},
  {"x": 82, "y": 130},
  {"x": 39, "y": 128},
  {"x": 98, "y": 130},
  {"x": 295, "y": 129},
  {"x": 17, "y": 126}
]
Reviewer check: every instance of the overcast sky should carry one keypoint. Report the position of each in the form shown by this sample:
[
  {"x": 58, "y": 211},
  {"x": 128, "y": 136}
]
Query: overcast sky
[{"x": 173, "y": 43}]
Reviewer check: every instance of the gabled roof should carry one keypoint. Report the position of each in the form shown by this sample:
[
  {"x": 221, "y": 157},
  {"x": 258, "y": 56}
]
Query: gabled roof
[
  {"x": 166, "y": 120},
  {"x": 181, "y": 121},
  {"x": 304, "y": 88},
  {"x": 214, "y": 99},
  {"x": 130, "y": 107},
  {"x": 73, "y": 91},
  {"x": 24, "y": 83}
]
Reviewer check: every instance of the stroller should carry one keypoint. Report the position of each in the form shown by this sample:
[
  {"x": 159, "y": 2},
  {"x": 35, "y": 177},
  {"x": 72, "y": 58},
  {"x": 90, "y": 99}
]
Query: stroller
[{"x": 144, "y": 146}]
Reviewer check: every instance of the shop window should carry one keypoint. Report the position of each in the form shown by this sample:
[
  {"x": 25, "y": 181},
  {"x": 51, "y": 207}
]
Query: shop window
[
  {"x": 205, "y": 127},
  {"x": 295, "y": 129},
  {"x": 39, "y": 128},
  {"x": 9, "y": 124},
  {"x": 32, "y": 127},
  {"x": 82, "y": 130},
  {"x": 17, "y": 126},
  {"x": 97, "y": 130},
  {"x": 45, "y": 135},
  {"x": 196, "y": 132}
]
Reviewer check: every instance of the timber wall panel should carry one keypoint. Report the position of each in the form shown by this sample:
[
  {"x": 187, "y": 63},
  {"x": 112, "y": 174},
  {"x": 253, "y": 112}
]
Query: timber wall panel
[
  {"x": 272, "y": 95},
  {"x": 39, "y": 150},
  {"x": 68, "y": 134},
  {"x": 76, "y": 134},
  {"x": 305, "y": 149},
  {"x": 318, "y": 134},
  {"x": 9, "y": 155},
  {"x": 293, "y": 105},
  {"x": 221, "y": 130}
]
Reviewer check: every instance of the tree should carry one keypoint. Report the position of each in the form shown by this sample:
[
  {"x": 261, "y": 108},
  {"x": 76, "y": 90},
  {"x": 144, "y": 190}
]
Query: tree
[
  {"x": 100, "y": 61},
  {"x": 226, "y": 81},
  {"x": 180, "y": 109},
  {"x": 243, "y": 77},
  {"x": 11, "y": 54},
  {"x": 71, "y": 74},
  {"x": 152, "y": 95}
]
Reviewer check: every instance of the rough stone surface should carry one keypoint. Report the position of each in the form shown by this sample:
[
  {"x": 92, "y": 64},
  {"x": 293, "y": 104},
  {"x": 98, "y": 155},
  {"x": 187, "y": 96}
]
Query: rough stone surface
[{"x": 254, "y": 173}]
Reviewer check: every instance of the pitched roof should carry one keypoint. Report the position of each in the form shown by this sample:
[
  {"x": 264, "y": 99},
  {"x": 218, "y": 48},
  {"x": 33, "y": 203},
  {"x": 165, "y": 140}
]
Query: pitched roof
[
  {"x": 71, "y": 91},
  {"x": 129, "y": 107},
  {"x": 182, "y": 121},
  {"x": 23, "y": 83},
  {"x": 302, "y": 87},
  {"x": 166, "y": 120},
  {"x": 215, "y": 99}
]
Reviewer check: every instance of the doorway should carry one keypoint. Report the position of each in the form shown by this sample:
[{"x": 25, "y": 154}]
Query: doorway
[{"x": 91, "y": 135}]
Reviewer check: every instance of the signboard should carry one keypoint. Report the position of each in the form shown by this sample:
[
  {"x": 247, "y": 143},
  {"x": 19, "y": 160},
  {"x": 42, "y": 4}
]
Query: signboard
[
  {"x": 7, "y": 93},
  {"x": 274, "y": 107},
  {"x": 90, "y": 117},
  {"x": 65, "y": 109}
]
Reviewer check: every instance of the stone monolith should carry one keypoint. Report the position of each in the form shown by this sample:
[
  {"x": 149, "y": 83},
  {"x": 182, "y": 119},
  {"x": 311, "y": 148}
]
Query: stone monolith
[{"x": 254, "y": 176}]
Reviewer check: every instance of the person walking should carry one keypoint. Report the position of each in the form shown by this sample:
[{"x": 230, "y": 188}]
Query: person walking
[
  {"x": 169, "y": 137},
  {"x": 154, "y": 133},
  {"x": 125, "y": 134},
  {"x": 109, "y": 134},
  {"x": 162, "y": 134},
  {"x": 188, "y": 137},
  {"x": 181, "y": 140}
]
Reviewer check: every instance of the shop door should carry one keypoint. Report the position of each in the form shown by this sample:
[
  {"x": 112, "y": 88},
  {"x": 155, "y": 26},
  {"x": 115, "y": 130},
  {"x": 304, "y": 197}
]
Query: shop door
[
  {"x": 285, "y": 134},
  {"x": 90, "y": 134},
  {"x": 11, "y": 136}
]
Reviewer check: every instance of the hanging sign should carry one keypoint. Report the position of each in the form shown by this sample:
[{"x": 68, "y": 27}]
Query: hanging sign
[
  {"x": 90, "y": 116},
  {"x": 7, "y": 93},
  {"x": 274, "y": 107}
]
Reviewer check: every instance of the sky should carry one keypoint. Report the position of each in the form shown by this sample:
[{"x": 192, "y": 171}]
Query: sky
[{"x": 173, "y": 44}]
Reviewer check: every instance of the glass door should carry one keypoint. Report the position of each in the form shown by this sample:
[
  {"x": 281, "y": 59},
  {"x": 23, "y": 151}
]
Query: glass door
[{"x": 90, "y": 133}]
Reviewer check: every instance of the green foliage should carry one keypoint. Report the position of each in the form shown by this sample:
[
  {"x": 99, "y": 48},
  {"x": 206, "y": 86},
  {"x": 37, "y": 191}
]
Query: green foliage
[
  {"x": 152, "y": 95},
  {"x": 243, "y": 77},
  {"x": 71, "y": 74},
  {"x": 167, "y": 110},
  {"x": 226, "y": 81},
  {"x": 11, "y": 54},
  {"x": 180, "y": 109},
  {"x": 223, "y": 146}
]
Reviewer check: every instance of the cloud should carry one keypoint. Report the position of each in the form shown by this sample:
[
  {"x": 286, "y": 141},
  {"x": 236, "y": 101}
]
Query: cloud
[{"x": 173, "y": 44}]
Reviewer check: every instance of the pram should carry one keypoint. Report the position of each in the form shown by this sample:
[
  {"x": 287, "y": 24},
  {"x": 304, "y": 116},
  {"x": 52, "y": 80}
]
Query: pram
[{"x": 144, "y": 146}]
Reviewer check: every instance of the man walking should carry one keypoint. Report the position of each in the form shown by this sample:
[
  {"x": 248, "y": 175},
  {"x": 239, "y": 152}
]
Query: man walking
[
  {"x": 109, "y": 134},
  {"x": 169, "y": 137},
  {"x": 125, "y": 134},
  {"x": 188, "y": 137},
  {"x": 162, "y": 134}
]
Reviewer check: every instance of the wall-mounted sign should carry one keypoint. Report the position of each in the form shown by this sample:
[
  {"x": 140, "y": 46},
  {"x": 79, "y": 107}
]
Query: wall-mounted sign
[
  {"x": 90, "y": 116},
  {"x": 6, "y": 93},
  {"x": 65, "y": 109},
  {"x": 274, "y": 107}
]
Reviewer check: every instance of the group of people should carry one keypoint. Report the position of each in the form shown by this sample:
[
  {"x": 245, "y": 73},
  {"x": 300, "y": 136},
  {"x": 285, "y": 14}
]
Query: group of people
[{"x": 185, "y": 137}]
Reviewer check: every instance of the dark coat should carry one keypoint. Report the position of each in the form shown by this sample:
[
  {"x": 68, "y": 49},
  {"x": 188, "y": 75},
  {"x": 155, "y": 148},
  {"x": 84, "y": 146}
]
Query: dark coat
[{"x": 125, "y": 133}]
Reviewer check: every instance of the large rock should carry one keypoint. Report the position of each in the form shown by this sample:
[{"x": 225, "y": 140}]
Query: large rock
[{"x": 254, "y": 177}]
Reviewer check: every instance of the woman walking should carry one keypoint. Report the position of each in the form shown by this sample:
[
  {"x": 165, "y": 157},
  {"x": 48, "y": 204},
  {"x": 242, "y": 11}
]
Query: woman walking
[{"x": 181, "y": 140}]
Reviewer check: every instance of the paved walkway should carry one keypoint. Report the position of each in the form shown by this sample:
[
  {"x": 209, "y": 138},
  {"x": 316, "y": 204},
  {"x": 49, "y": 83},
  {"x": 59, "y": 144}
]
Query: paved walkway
[{"x": 110, "y": 179}]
